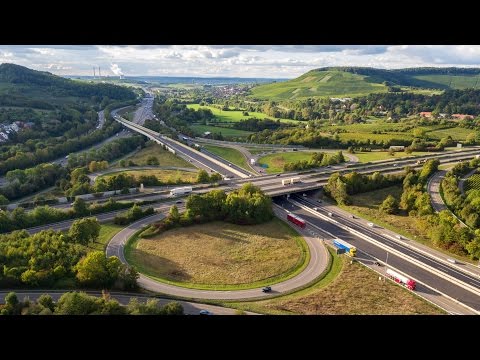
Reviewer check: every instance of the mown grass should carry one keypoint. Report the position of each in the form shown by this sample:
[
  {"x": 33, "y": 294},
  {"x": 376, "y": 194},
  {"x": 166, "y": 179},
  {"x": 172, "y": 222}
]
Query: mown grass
[
  {"x": 236, "y": 116},
  {"x": 232, "y": 155},
  {"x": 220, "y": 255},
  {"x": 276, "y": 161},
  {"x": 225, "y": 131},
  {"x": 107, "y": 231},
  {"x": 165, "y": 158}
]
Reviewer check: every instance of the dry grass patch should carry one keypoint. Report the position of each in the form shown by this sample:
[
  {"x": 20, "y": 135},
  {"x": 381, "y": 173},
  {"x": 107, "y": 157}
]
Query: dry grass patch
[
  {"x": 162, "y": 175},
  {"x": 165, "y": 158},
  {"x": 356, "y": 290},
  {"x": 220, "y": 253}
]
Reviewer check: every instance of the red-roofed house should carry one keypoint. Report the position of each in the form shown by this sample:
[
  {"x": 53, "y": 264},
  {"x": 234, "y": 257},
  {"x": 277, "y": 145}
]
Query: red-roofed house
[
  {"x": 426, "y": 114},
  {"x": 462, "y": 116}
]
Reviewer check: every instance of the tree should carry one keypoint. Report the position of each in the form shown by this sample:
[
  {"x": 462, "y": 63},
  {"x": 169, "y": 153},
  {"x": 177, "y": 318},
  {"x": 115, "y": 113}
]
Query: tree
[
  {"x": 418, "y": 133},
  {"x": 389, "y": 205},
  {"x": 203, "y": 177},
  {"x": 95, "y": 269},
  {"x": 77, "y": 303},
  {"x": 215, "y": 177},
  {"x": 85, "y": 230},
  {"x": 173, "y": 308},
  {"x": 46, "y": 301},
  {"x": 391, "y": 152},
  {"x": 80, "y": 207},
  {"x": 173, "y": 214},
  {"x": 127, "y": 278},
  {"x": 3, "y": 200},
  {"x": 471, "y": 139}
]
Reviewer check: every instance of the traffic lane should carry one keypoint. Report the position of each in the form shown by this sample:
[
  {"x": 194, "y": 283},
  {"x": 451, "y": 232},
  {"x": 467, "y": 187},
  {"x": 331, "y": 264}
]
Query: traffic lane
[
  {"x": 195, "y": 155},
  {"x": 466, "y": 278},
  {"x": 410, "y": 269},
  {"x": 190, "y": 308}
]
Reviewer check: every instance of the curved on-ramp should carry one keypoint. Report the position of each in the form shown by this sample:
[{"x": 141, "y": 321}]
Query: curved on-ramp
[{"x": 317, "y": 264}]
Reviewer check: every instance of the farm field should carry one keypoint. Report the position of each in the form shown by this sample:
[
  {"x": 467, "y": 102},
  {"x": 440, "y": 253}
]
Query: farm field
[
  {"x": 456, "y": 133},
  {"x": 452, "y": 81},
  {"x": 473, "y": 182},
  {"x": 236, "y": 116}
]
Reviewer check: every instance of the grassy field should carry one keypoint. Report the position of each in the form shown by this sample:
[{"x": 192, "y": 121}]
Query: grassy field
[
  {"x": 162, "y": 175},
  {"x": 229, "y": 154},
  {"x": 165, "y": 158},
  {"x": 275, "y": 162},
  {"x": 374, "y": 137},
  {"x": 224, "y": 131},
  {"x": 453, "y": 81},
  {"x": 236, "y": 116},
  {"x": 107, "y": 231},
  {"x": 473, "y": 182},
  {"x": 221, "y": 255},
  {"x": 384, "y": 155},
  {"x": 456, "y": 133},
  {"x": 345, "y": 296},
  {"x": 338, "y": 293},
  {"x": 319, "y": 83}
]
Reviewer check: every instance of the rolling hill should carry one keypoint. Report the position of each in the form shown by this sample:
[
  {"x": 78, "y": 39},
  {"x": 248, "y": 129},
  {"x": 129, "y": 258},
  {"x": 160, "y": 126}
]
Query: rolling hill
[
  {"x": 360, "y": 81},
  {"x": 24, "y": 87}
]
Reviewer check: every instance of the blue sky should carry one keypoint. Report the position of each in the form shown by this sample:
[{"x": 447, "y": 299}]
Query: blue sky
[{"x": 276, "y": 61}]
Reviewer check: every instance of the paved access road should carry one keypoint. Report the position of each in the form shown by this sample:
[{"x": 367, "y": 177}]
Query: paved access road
[
  {"x": 190, "y": 308},
  {"x": 433, "y": 188},
  {"x": 318, "y": 262}
]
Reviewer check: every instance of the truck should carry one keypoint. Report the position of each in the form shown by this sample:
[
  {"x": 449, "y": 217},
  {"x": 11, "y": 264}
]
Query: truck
[
  {"x": 350, "y": 250},
  {"x": 295, "y": 180},
  {"x": 296, "y": 220},
  {"x": 400, "y": 279},
  {"x": 181, "y": 191},
  {"x": 285, "y": 182}
]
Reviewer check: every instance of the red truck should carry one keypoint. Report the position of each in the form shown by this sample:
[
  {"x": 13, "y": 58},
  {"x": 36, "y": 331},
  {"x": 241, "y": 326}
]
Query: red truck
[
  {"x": 409, "y": 283},
  {"x": 296, "y": 220}
]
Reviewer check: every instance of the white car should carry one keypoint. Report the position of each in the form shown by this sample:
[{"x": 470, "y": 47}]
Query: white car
[{"x": 371, "y": 224}]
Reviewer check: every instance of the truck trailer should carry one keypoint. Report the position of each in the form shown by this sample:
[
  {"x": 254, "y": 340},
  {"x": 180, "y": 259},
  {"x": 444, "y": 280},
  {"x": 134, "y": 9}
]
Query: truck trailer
[
  {"x": 398, "y": 278},
  {"x": 296, "y": 220},
  {"x": 181, "y": 191},
  {"x": 350, "y": 250}
]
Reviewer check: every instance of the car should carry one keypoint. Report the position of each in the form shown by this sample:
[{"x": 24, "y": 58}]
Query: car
[
  {"x": 398, "y": 237},
  {"x": 319, "y": 201},
  {"x": 395, "y": 165},
  {"x": 353, "y": 216},
  {"x": 315, "y": 208},
  {"x": 304, "y": 195},
  {"x": 178, "y": 202},
  {"x": 329, "y": 166},
  {"x": 229, "y": 164},
  {"x": 330, "y": 214},
  {"x": 277, "y": 175},
  {"x": 377, "y": 263},
  {"x": 371, "y": 224},
  {"x": 267, "y": 289},
  {"x": 205, "y": 312}
]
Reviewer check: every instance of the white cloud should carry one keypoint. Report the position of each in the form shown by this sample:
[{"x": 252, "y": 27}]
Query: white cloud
[{"x": 238, "y": 60}]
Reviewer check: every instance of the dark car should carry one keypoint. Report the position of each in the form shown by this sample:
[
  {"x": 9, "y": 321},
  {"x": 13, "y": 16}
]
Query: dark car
[
  {"x": 278, "y": 174},
  {"x": 267, "y": 289},
  {"x": 377, "y": 263},
  {"x": 178, "y": 202}
]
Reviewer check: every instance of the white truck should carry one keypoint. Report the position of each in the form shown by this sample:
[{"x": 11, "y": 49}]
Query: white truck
[{"x": 181, "y": 191}]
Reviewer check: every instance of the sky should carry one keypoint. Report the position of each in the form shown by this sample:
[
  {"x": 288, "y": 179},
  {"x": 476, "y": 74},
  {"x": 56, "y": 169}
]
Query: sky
[{"x": 255, "y": 61}]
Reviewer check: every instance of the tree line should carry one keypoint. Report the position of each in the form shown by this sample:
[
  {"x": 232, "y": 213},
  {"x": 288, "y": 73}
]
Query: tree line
[
  {"x": 80, "y": 303},
  {"x": 245, "y": 206},
  {"x": 318, "y": 159}
]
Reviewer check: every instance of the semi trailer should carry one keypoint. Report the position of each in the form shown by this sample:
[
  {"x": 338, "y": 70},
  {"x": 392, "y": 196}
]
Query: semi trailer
[
  {"x": 350, "y": 250},
  {"x": 398, "y": 278}
]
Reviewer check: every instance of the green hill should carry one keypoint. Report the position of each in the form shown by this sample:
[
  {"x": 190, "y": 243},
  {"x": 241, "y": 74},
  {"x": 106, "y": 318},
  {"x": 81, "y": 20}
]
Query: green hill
[
  {"x": 24, "y": 87},
  {"x": 359, "y": 81}
]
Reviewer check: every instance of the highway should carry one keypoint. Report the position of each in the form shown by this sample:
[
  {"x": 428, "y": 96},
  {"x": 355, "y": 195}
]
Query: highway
[
  {"x": 317, "y": 264},
  {"x": 190, "y": 308},
  {"x": 459, "y": 285}
]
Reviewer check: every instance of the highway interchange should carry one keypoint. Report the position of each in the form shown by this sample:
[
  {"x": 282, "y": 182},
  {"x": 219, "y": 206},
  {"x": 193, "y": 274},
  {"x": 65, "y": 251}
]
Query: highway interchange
[{"x": 454, "y": 287}]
